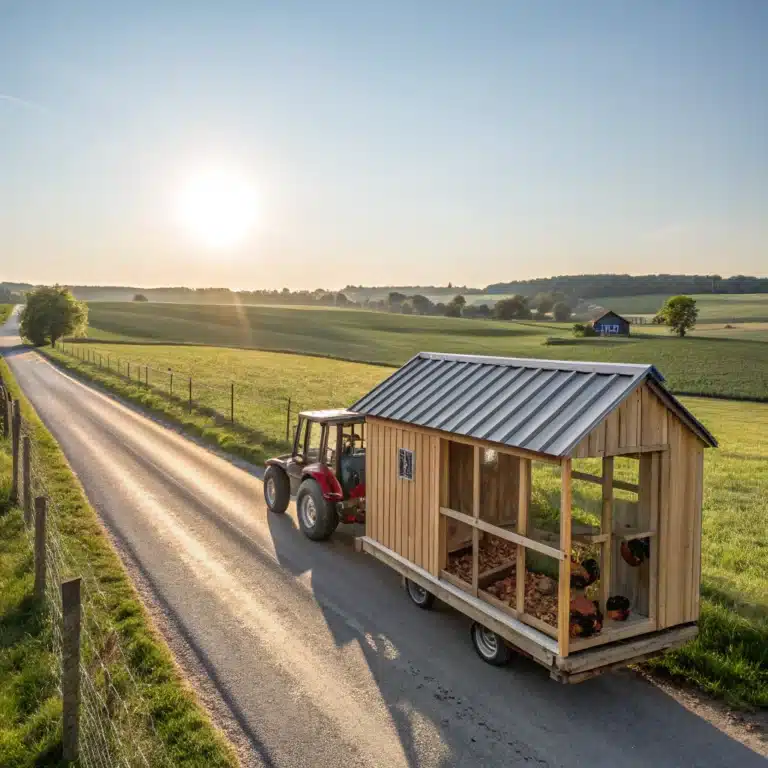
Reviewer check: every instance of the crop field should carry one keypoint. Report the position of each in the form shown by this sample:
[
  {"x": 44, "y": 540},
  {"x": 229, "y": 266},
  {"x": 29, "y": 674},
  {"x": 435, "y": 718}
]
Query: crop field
[
  {"x": 722, "y": 308},
  {"x": 729, "y": 659},
  {"x": 727, "y": 367}
]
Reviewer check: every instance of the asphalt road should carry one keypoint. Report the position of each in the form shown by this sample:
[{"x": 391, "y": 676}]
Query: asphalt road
[{"x": 312, "y": 652}]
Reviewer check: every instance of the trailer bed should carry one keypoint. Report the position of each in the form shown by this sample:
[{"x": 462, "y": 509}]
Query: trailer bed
[{"x": 577, "y": 666}]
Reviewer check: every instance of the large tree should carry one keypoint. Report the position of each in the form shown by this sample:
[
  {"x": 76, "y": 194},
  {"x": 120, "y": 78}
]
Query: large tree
[
  {"x": 513, "y": 308},
  {"x": 52, "y": 312},
  {"x": 679, "y": 313},
  {"x": 561, "y": 312}
]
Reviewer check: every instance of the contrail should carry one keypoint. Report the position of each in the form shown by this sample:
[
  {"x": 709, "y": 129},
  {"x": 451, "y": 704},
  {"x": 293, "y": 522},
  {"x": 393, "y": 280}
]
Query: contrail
[{"x": 22, "y": 102}]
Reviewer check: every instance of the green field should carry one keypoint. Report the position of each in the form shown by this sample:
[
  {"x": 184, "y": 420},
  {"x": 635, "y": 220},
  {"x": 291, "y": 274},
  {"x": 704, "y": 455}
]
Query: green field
[
  {"x": 731, "y": 657},
  {"x": 721, "y": 367},
  {"x": 5, "y": 311},
  {"x": 723, "y": 308}
]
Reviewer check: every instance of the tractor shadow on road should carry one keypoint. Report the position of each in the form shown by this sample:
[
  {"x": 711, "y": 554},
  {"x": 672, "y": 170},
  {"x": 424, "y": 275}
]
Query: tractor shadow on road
[{"x": 430, "y": 680}]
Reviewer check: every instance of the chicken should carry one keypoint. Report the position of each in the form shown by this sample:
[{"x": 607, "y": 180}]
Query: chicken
[
  {"x": 636, "y": 551},
  {"x": 584, "y": 574},
  {"x": 586, "y": 619},
  {"x": 617, "y": 608}
]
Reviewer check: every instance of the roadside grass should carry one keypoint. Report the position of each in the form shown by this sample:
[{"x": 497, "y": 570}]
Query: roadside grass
[
  {"x": 731, "y": 368},
  {"x": 168, "y": 722},
  {"x": 5, "y": 311},
  {"x": 729, "y": 659}
]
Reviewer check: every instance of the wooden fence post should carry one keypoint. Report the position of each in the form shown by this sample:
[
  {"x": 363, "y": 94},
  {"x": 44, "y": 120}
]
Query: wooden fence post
[
  {"x": 41, "y": 512},
  {"x": 288, "y": 422},
  {"x": 6, "y": 405},
  {"x": 146, "y": 376},
  {"x": 129, "y": 368},
  {"x": 16, "y": 446},
  {"x": 232, "y": 402},
  {"x": 70, "y": 667},
  {"x": 171, "y": 384},
  {"x": 26, "y": 472},
  {"x": 190, "y": 394}
]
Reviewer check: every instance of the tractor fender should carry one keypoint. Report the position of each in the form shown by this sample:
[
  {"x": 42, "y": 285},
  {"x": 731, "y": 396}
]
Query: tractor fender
[{"x": 324, "y": 477}]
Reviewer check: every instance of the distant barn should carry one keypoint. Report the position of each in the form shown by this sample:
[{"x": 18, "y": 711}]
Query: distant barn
[{"x": 611, "y": 324}]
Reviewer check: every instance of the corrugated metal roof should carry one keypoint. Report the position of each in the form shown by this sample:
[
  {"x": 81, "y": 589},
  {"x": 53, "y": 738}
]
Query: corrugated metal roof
[{"x": 546, "y": 406}]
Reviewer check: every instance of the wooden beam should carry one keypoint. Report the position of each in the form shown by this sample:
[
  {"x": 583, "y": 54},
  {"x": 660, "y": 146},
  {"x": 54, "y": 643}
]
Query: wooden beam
[
  {"x": 476, "y": 515},
  {"x": 653, "y": 586},
  {"x": 564, "y": 585},
  {"x": 500, "y": 447},
  {"x": 620, "y": 484},
  {"x": 503, "y": 533},
  {"x": 523, "y": 498},
  {"x": 606, "y": 526}
]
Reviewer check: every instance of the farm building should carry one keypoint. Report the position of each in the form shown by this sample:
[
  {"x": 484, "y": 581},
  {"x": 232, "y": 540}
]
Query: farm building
[
  {"x": 611, "y": 324},
  {"x": 557, "y": 502}
]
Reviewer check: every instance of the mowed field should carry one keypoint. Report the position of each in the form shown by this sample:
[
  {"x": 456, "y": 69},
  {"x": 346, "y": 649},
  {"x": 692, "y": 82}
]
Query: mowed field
[
  {"x": 728, "y": 367},
  {"x": 713, "y": 308},
  {"x": 730, "y": 658},
  {"x": 5, "y": 311}
]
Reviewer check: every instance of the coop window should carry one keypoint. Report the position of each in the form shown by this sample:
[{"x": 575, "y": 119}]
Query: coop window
[{"x": 405, "y": 464}]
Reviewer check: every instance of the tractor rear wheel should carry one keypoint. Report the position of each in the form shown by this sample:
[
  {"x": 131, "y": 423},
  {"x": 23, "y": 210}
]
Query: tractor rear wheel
[
  {"x": 277, "y": 489},
  {"x": 317, "y": 517}
]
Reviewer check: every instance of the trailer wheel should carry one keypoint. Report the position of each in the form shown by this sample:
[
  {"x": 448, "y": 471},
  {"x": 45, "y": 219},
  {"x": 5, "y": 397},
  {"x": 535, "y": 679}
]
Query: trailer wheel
[
  {"x": 317, "y": 517},
  {"x": 490, "y": 647},
  {"x": 277, "y": 489},
  {"x": 425, "y": 600}
]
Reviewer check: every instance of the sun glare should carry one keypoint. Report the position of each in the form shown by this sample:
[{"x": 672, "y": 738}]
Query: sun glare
[{"x": 217, "y": 208}]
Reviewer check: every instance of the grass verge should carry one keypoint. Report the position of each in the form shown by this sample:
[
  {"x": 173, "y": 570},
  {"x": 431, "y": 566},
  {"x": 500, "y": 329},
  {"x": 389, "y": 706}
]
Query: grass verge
[
  {"x": 5, "y": 312},
  {"x": 729, "y": 659},
  {"x": 172, "y": 727}
]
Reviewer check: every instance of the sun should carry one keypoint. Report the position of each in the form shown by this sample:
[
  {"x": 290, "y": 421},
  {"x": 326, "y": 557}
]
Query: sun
[{"x": 217, "y": 207}]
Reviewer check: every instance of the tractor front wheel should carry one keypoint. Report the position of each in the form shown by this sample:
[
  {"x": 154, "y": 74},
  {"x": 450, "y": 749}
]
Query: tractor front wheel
[
  {"x": 317, "y": 517},
  {"x": 277, "y": 489}
]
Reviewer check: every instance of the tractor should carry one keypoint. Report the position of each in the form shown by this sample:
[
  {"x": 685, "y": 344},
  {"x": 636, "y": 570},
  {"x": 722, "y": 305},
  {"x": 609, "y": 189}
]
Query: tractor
[{"x": 325, "y": 471}]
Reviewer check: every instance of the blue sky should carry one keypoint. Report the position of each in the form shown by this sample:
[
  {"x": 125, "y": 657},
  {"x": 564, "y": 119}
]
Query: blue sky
[{"x": 388, "y": 143}]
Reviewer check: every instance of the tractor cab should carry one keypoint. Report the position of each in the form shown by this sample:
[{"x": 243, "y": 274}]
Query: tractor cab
[{"x": 325, "y": 470}]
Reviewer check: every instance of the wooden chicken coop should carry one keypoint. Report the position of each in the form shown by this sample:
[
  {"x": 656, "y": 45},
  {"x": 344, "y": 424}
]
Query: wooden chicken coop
[{"x": 558, "y": 504}]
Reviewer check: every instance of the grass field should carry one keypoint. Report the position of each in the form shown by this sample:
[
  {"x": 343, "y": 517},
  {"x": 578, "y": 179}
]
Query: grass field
[
  {"x": 5, "y": 311},
  {"x": 730, "y": 658},
  {"x": 715, "y": 308},
  {"x": 161, "y": 716},
  {"x": 721, "y": 367}
]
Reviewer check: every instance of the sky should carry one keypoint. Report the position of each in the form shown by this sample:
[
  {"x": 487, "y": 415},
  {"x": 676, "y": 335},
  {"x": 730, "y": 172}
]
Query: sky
[{"x": 381, "y": 143}]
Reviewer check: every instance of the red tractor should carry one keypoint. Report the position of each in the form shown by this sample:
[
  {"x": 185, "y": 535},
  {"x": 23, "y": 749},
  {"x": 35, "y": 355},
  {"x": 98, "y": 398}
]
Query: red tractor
[{"x": 326, "y": 471}]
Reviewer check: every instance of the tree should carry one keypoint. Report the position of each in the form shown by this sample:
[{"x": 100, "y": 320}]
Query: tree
[
  {"x": 395, "y": 299},
  {"x": 455, "y": 307},
  {"x": 679, "y": 313},
  {"x": 460, "y": 301},
  {"x": 52, "y": 312},
  {"x": 561, "y": 312},
  {"x": 422, "y": 304},
  {"x": 406, "y": 308},
  {"x": 342, "y": 300},
  {"x": 543, "y": 302},
  {"x": 513, "y": 308},
  {"x": 140, "y": 297}
]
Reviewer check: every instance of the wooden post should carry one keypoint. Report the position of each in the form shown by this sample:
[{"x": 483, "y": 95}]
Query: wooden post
[
  {"x": 288, "y": 422},
  {"x": 190, "y": 394},
  {"x": 524, "y": 495},
  {"x": 70, "y": 668},
  {"x": 27, "y": 479},
  {"x": 6, "y": 405},
  {"x": 606, "y": 526},
  {"x": 16, "y": 447},
  {"x": 232, "y": 402},
  {"x": 146, "y": 375},
  {"x": 41, "y": 512},
  {"x": 476, "y": 515},
  {"x": 129, "y": 368},
  {"x": 564, "y": 585}
]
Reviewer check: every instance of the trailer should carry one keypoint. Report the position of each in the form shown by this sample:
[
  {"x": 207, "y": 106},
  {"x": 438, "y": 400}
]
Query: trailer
[{"x": 557, "y": 504}]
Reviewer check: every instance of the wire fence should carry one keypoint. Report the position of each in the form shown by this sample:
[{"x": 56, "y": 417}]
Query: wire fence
[
  {"x": 225, "y": 402},
  {"x": 110, "y": 724}
]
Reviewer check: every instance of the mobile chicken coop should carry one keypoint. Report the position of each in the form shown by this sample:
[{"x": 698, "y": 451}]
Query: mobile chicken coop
[{"x": 557, "y": 504}]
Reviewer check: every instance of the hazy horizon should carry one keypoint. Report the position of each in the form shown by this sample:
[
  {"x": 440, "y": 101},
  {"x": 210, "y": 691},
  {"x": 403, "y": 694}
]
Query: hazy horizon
[{"x": 250, "y": 146}]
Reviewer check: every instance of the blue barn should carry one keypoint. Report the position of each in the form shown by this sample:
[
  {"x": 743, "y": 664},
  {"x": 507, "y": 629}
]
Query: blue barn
[{"x": 611, "y": 324}]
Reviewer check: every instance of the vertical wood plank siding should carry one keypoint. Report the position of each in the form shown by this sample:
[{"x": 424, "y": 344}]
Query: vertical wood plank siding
[{"x": 403, "y": 514}]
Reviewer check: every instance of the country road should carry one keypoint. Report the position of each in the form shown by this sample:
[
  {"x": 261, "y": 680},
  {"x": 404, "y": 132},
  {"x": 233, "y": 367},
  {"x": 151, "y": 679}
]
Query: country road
[{"x": 311, "y": 654}]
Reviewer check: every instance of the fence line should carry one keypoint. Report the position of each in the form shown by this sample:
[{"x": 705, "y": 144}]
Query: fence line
[
  {"x": 218, "y": 400},
  {"x": 104, "y": 712}
]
